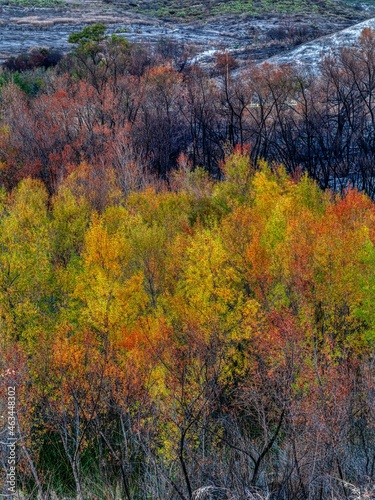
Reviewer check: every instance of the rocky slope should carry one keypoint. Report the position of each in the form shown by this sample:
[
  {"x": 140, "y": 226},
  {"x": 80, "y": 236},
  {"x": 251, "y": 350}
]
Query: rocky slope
[
  {"x": 245, "y": 36},
  {"x": 308, "y": 55}
]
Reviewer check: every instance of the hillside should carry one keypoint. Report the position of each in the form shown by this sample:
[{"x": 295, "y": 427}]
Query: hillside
[
  {"x": 189, "y": 9},
  {"x": 308, "y": 55},
  {"x": 186, "y": 9},
  {"x": 256, "y": 30}
]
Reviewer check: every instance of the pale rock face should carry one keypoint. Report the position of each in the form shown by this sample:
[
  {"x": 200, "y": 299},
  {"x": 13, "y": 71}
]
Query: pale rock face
[{"x": 309, "y": 55}]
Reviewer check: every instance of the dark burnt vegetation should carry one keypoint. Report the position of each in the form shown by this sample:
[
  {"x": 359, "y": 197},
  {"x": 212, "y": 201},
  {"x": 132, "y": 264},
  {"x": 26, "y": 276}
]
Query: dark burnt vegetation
[
  {"x": 35, "y": 58},
  {"x": 135, "y": 109}
]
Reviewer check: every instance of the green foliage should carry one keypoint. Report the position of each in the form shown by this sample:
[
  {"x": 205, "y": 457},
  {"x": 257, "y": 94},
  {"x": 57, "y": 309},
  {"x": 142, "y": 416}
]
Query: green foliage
[
  {"x": 70, "y": 221},
  {"x": 30, "y": 82},
  {"x": 89, "y": 34}
]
